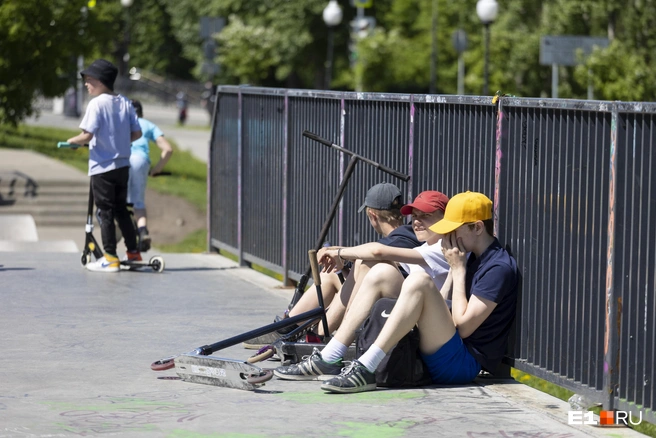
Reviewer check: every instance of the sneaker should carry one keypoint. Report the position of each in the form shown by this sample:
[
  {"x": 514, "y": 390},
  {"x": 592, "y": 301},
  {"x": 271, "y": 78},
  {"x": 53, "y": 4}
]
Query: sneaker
[
  {"x": 133, "y": 256},
  {"x": 144, "y": 240},
  {"x": 354, "y": 378},
  {"x": 107, "y": 263},
  {"x": 128, "y": 258},
  {"x": 312, "y": 367}
]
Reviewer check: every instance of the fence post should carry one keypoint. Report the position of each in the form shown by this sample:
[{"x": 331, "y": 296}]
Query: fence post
[
  {"x": 613, "y": 313},
  {"x": 411, "y": 148},
  {"x": 285, "y": 186},
  {"x": 497, "y": 166},
  {"x": 240, "y": 169}
]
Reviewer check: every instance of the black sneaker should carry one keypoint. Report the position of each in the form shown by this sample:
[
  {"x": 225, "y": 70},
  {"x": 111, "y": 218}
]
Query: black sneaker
[
  {"x": 312, "y": 367},
  {"x": 144, "y": 240},
  {"x": 354, "y": 378}
]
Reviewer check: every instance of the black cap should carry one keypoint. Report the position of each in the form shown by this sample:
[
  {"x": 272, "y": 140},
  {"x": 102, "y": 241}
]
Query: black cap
[{"x": 102, "y": 70}]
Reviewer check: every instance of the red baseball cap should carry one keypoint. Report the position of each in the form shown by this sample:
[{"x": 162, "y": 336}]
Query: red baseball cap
[{"x": 428, "y": 202}]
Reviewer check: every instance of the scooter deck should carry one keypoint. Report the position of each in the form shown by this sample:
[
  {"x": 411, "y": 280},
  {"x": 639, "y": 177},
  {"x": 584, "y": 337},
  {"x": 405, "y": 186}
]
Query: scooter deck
[
  {"x": 211, "y": 370},
  {"x": 293, "y": 352}
]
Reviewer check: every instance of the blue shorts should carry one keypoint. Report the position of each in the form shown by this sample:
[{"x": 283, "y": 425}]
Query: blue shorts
[
  {"x": 139, "y": 168},
  {"x": 452, "y": 363}
]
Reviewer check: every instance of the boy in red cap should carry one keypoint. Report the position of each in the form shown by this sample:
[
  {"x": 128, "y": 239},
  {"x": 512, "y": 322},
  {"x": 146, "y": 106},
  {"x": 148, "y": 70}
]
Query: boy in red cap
[
  {"x": 109, "y": 126},
  {"x": 384, "y": 280},
  {"x": 454, "y": 344}
]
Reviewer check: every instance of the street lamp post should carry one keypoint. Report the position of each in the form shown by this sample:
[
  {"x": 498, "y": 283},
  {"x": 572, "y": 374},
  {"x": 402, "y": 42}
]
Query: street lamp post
[
  {"x": 126, "y": 38},
  {"x": 487, "y": 12},
  {"x": 332, "y": 16}
]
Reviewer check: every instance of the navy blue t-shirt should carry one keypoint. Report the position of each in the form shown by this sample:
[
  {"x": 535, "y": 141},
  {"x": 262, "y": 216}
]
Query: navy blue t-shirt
[
  {"x": 493, "y": 276},
  {"x": 401, "y": 237}
]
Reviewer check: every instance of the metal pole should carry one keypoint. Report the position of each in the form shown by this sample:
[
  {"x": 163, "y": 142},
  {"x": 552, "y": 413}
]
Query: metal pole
[
  {"x": 461, "y": 74},
  {"x": 487, "y": 56},
  {"x": 433, "y": 66},
  {"x": 554, "y": 81},
  {"x": 329, "y": 57},
  {"x": 358, "y": 77},
  {"x": 590, "y": 86}
]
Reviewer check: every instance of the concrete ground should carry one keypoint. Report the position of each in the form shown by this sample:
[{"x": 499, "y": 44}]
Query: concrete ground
[{"x": 77, "y": 348}]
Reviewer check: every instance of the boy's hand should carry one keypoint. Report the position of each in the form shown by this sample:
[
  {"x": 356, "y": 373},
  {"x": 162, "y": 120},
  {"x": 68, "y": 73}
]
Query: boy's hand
[
  {"x": 329, "y": 260},
  {"x": 454, "y": 252}
]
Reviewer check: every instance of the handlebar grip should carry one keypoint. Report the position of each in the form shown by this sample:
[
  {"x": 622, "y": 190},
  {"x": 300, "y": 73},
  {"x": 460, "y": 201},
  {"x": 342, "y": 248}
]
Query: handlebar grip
[
  {"x": 65, "y": 144},
  {"x": 393, "y": 172},
  {"x": 315, "y": 137},
  {"x": 312, "y": 254}
]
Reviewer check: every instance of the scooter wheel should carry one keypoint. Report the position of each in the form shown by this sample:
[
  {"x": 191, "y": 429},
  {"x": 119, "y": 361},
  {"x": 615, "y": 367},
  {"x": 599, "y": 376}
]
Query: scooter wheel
[
  {"x": 265, "y": 376},
  {"x": 262, "y": 354},
  {"x": 85, "y": 259},
  {"x": 157, "y": 263},
  {"x": 163, "y": 364}
]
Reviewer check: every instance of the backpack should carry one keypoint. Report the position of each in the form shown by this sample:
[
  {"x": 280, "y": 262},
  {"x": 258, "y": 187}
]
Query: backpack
[{"x": 403, "y": 365}]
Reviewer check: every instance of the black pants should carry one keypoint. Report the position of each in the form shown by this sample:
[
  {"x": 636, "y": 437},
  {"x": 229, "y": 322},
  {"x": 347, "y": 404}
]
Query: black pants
[{"x": 110, "y": 192}]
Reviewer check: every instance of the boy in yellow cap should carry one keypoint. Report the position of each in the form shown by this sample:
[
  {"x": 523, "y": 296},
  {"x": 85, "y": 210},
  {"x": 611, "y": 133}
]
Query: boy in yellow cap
[{"x": 454, "y": 344}]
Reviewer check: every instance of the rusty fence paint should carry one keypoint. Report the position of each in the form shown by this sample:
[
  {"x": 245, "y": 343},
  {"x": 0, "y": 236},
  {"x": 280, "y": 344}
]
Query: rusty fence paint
[{"x": 573, "y": 192}]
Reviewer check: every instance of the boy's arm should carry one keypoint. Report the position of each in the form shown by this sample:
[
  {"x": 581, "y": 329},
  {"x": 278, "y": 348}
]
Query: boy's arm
[
  {"x": 135, "y": 135},
  {"x": 467, "y": 315},
  {"x": 447, "y": 286},
  {"x": 369, "y": 251},
  {"x": 167, "y": 151},
  {"x": 82, "y": 138}
]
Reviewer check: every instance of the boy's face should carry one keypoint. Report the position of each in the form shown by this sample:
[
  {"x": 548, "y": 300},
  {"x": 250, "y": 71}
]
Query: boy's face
[
  {"x": 94, "y": 86},
  {"x": 468, "y": 234},
  {"x": 420, "y": 223}
]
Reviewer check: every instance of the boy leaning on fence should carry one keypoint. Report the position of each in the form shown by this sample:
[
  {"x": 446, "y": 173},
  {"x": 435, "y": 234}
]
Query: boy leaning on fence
[
  {"x": 454, "y": 344},
  {"x": 109, "y": 126}
]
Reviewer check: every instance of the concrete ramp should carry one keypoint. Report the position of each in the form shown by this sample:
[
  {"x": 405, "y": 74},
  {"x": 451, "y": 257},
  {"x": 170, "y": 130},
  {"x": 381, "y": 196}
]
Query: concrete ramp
[
  {"x": 18, "y": 234},
  {"x": 41, "y": 246},
  {"x": 18, "y": 228}
]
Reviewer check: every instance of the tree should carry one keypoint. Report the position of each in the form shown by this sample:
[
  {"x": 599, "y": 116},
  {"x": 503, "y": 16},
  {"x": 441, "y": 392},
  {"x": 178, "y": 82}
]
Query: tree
[{"x": 39, "y": 43}]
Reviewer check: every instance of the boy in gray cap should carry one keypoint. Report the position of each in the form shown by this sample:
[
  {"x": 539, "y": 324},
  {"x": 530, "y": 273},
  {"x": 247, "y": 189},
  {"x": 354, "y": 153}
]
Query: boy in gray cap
[
  {"x": 383, "y": 204},
  {"x": 109, "y": 126}
]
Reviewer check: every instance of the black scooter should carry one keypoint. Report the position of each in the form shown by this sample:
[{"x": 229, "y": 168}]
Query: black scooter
[{"x": 91, "y": 244}]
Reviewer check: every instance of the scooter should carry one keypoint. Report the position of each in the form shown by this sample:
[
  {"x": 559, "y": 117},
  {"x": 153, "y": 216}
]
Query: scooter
[{"x": 91, "y": 244}]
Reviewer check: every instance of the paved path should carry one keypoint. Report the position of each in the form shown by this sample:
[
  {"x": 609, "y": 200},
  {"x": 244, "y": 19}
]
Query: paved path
[{"x": 76, "y": 348}]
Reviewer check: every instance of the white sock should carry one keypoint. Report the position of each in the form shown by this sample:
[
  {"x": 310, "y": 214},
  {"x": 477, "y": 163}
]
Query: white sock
[
  {"x": 333, "y": 351},
  {"x": 372, "y": 358}
]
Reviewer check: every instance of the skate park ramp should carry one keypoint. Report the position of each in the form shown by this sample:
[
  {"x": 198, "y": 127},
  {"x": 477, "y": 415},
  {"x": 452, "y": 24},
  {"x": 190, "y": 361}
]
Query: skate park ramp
[{"x": 18, "y": 233}]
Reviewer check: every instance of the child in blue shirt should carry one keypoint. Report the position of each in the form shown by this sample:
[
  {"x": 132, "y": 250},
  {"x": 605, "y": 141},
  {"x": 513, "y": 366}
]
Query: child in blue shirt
[{"x": 109, "y": 126}]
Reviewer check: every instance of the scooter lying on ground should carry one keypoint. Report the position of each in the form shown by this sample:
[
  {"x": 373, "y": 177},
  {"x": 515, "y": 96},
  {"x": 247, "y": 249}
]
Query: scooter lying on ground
[
  {"x": 91, "y": 244},
  {"x": 199, "y": 367}
]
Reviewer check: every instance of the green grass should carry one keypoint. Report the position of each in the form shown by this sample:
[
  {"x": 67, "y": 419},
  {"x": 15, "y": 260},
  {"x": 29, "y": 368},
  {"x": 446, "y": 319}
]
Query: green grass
[{"x": 195, "y": 242}]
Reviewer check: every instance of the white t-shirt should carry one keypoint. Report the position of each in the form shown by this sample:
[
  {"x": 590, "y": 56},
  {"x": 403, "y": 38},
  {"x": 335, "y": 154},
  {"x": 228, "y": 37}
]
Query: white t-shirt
[
  {"x": 111, "y": 119},
  {"x": 437, "y": 266}
]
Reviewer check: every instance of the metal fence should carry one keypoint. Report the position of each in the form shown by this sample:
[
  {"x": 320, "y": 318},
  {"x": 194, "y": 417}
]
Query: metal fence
[{"x": 573, "y": 199}]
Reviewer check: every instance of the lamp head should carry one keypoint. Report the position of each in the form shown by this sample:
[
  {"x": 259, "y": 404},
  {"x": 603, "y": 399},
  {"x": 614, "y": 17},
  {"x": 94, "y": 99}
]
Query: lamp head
[
  {"x": 332, "y": 14},
  {"x": 487, "y": 10}
]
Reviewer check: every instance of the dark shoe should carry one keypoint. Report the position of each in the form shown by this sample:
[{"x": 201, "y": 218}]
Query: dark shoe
[
  {"x": 354, "y": 378},
  {"x": 144, "y": 240},
  {"x": 312, "y": 367}
]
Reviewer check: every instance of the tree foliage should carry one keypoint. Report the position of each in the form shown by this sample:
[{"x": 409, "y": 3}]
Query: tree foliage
[{"x": 284, "y": 43}]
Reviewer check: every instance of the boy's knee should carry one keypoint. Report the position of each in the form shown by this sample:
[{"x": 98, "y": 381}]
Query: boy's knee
[{"x": 418, "y": 282}]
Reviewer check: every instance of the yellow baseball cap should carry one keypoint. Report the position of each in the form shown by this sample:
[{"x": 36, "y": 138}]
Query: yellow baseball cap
[{"x": 463, "y": 208}]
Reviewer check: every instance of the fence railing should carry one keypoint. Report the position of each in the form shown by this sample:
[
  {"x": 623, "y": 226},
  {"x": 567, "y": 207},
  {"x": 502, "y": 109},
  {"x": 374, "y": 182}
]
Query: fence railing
[{"x": 573, "y": 199}]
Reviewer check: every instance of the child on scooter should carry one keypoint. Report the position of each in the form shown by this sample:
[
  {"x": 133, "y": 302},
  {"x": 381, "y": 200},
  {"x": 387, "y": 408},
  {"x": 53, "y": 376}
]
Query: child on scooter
[{"x": 109, "y": 126}]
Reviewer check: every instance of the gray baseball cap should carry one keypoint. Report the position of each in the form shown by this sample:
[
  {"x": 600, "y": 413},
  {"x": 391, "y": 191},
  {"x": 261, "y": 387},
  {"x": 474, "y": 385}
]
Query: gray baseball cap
[{"x": 382, "y": 196}]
